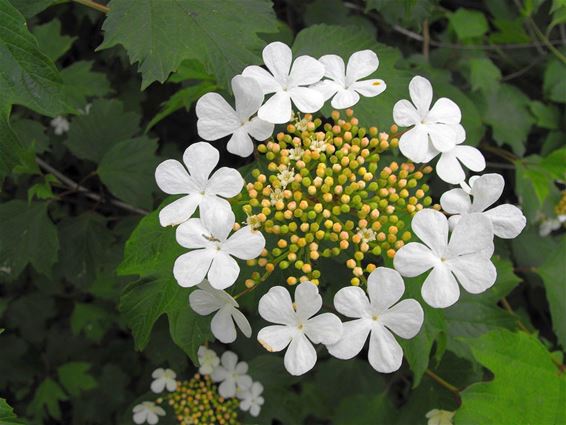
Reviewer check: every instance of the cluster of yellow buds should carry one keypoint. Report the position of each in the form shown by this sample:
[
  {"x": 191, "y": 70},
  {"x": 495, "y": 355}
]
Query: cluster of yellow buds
[
  {"x": 322, "y": 192},
  {"x": 197, "y": 402},
  {"x": 560, "y": 208}
]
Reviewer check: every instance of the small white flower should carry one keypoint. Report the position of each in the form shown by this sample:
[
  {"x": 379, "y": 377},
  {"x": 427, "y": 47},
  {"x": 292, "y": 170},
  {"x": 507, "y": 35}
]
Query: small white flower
[
  {"x": 276, "y": 195},
  {"x": 465, "y": 259},
  {"x": 231, "y": 375},
  {"x": 201, "y": 188},
  {"x": 217, "y": 119},
  {"x": 253, "y": 221},
  {"x": 318, "y": 146},
  {"x": 252, "y": 399},
  {"x": 207, "y": 300},
  {"x": 297, "y": 153},
  {"x": 286, "y": 176},
  {"x": 208, "y": 360},
  {"x": 296, "y": 324},
  {"x": 163, "y": 378},
  {"x": 344, "y": 82},
  {"x": 60, "y": 125},
  {"x": 286, "y": 82},
  {"x": 366, "y": 235},
  {"x": 507, "y": 220},
  {"x": 550, "y": 225},
  {"x": 148, "y": 412},
  {"x": 449, "y": 166},
  {"x": 440, "y": 417},
  {"x": 377, "y": 317},
  {"x": 212, "y": 249}
]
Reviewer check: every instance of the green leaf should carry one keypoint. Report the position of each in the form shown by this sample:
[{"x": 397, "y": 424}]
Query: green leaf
[
  {"x": 555, "y": 164},
  {"x": 31, "y": 134},
  {"x": 106, "y": 124},
  {"x": 547, "y": 116},
  {"x": 527, "y": 387},
  {"x": 468, "y": 23},
  {"x": 554, "y": 82},
  {"x": 365, "y": 409},
  {"x": 484, "y": 74},
  {"x": 75, "y": 378},
  {"x": 51, "y": 42},
  {"x": 81, "y": 83},
  {"x": 30, "y": 8},
  {"x": 7, "y": 415},
  {"x": 46, "y": 399},
  {"x": 11, "y": 150},
  {"x": 189, "y": 29},
  {"x": 128, "y": 168},
  {"x": 91, "y": 320},
  {"x": 27, "y": 236}
]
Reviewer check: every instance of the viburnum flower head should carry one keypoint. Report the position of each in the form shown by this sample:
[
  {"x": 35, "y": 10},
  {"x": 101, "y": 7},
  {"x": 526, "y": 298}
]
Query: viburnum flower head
[
  {"x": 163, "y": 378},
  {"x": 200, "y": 187},
  {"x": 60, "y": 125},
  {"x": 252, "y": 399},
  {"x": 380, "y": 317},
  {"x": 507, "y": 220},
  {"x": 435, "y": 131},
  {"x": 440, "y": 417},
  {"x": 344, "y": 81},
  {"x": 217, "y": 119},
  {"x": 464, "y": 259},
  {"x": 287, "y": 79},
  {"x": 207, "y": 300},
  {"x": 297, "y": 325},
  {"x": 148, "y": 412},
  {"x": 207, "y": 359},
  {"x": 213, "y": 250},
  {"x": 231, "y": 375}
]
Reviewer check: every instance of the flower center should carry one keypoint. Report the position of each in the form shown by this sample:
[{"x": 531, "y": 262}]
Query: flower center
[{"x": 375, "y": 317}]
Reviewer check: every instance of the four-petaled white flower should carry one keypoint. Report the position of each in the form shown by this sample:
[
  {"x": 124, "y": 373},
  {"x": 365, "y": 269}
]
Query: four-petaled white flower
[
  {"x": 286, "y": 82},
  {"x": 212, "y": 249},
  {"x": 440, "y": 417},
  {"x": 252, "y": 399},
  {"x": 207, "y": 300},
  {"x": 208, "y": 360},
  {"x": 344, "y": 82},
  {"x": 201, "y": 190},
  {"x": 296, "y": 325},
  {"x": 163, "y": 378},
  {"x": 379, "y": 317},
  {"x": 507, "y": 220},
  {"x": 217, "y": 119},
  {"x": 465, "y": 259},
  {"x": 231, "y": 375},
  {"x": 286, "y": 176},
  {"x": 60, "y": 125},
  {"x": 148, "y": 412}
]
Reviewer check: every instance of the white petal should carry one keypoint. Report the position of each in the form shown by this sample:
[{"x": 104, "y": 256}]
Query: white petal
[
  {"x": 473, "y": 233},
  {"x": 442, "y": 136},
  {"x": 227, "y": 388},
  {"x": 216, "y": 118},
  {"x": 265, "y": 80},
  {"x": 140, "y": 417},
  {"x": 306, "y": 70},
  {"x": 277, "y": 57},
  {"x": 191, "y": 268},
  {"x": 414, "y": 259},
  {"x": 158, "y": 386},
  {"x": 277, "y": 337},
  {"x": 474, "y": 272},
  {"x": 455, "y": 201},
  {"x": 385, "y": 354},
  {"x": 242, "y": 322},
  {"x": 354, "y": 336},
  {"x": 200, "y": 159},
  {"x": 307, "y": 300},
  {"x": 229, "y": 360},
  {"x": 218, "y": 221},
  {"x": 486, "y": 191},
  {"x": 414, "y": 144},
  {"x": 259, "y": 129},
  {"x": 226, "y": 182},
  {"x": 404, "y": 319},
  {"x": 204, "y": 303},
  {"x": 277, "y": 109},
  {"x": 212, "y": 202},
  {"x": 172, "y": 178},
  {"x": 334, "y": 68},
  {"x": 385, "y": 288},
  {"x": 345, "y": 98},
  {"x": 248, "y": 95},
  {"x": 440, "y": 288},
  {"x": 224, "y": 271},
  {"x": 190, "y": 234},
  {"x": 306, "y": 100},
  {"x": 360, "y": 65},
  {"x": 254, "y": 410},
  {"x": 276, "y": 307},
  {"x": 453, "y": 221},
  {"x": 449, "y": 168},
  {"x": 420, "y": 90},
  {"x": 444, "y": 111},
  {"x": 369, "y": 88},
  {"x": 431, "y": 227},
  {"x": 326, "y": 328},
  {"x": 470, "y": 157},
  {"x": 245, "y": 244},
  {"x": 240, "y": 143},
  {"x": 158, "y": 373},
  {"x": 352, "y": 301},
  {"x": 327, "y": 88},
  {"x": 179, "y": 211},
  {"x": 508, "y": 221},
  {"x": 300, "y": 356},
  {"x": 222, "y": 326},
  {"x": 405, "y": 114}
]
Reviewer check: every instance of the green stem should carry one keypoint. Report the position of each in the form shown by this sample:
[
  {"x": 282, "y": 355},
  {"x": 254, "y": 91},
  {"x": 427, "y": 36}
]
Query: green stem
[
  {"x": 442, "y": 382},
  {"x": 94, "y": 5}
]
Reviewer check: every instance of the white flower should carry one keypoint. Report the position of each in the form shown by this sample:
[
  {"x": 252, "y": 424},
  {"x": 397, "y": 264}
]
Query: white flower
[
  {"x": 207, "y": 300},
  {"x": 287, "y": 82},
  {"x": 377, "y": 317},
  {"x": 507, "y": 220},
  {"x": 208, "y": 360},
  {"x": 231, "y": 375},
  {"x": 213, "y": 250},
  {"x": 296, "y": 153},
  {"x": 551, "y": 224},
  {"x": 366, "y": 235},
  {"x": 344, "y": 82},
  {"x": 436, "y": 130},
  {"x": 201, "y": 190},
  {"x": 440, "y": 417},
  {"x": 465, "y": 259},
  {"x": 252, "y": 399},
  {"x": 148, "y": 412},
  {"x": 163, "y": 378},
  {"x": 295, "y": 322},
  {"x": 276, "y": 195},
  {"x": 217, "y": 119},
  {"x": 60, "y": 125},
  {"x": 286, "y": 176}
]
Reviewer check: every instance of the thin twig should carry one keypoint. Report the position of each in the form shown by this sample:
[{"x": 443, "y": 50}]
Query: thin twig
[
  {"x": 520, "y": 71},
  {"x": 500, "y": 165},
  {"x": 442, "y": 382},
  {"x": 426, "y": 39},
  {"x": 94, "y": 5},
  {"x": 72, "y": 185}
]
